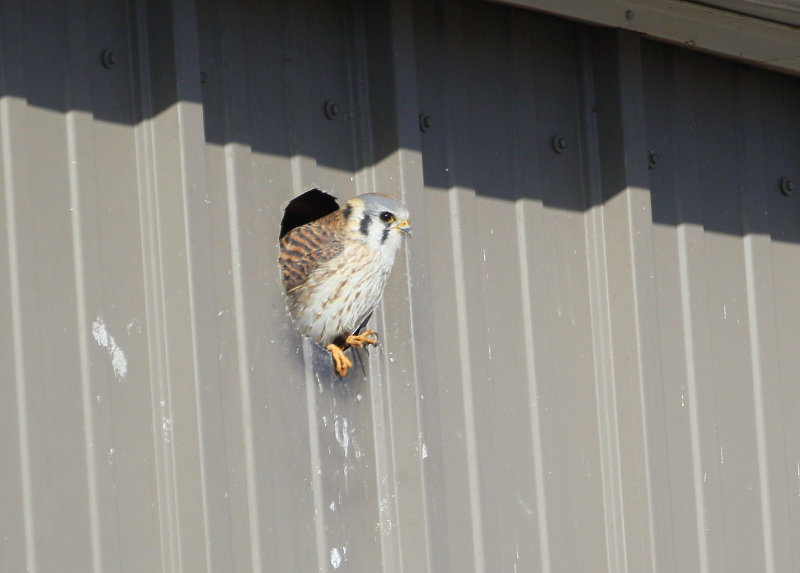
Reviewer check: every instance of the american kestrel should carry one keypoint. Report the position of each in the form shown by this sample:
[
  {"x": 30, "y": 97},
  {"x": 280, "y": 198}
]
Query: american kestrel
[{"x": 334, "y": 270}]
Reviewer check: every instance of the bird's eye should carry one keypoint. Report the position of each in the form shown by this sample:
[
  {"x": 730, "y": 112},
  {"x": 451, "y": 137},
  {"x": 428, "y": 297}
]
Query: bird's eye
[{"x": 387, "y": 217}]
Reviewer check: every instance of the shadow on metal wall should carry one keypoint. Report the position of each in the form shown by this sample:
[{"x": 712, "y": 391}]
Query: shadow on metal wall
[{"x": 515, "y": 85}]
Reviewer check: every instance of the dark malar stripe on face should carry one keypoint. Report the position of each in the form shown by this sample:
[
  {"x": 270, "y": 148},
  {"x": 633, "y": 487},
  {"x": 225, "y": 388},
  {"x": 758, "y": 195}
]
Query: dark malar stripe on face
[
  {"x": 364, "y": 226},
  {"x": 347, "y": 211},
  {"x": 385, "y": 235}
]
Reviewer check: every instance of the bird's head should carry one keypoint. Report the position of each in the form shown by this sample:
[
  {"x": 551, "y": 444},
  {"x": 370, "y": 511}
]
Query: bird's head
[{"x": 378, "y": 220}]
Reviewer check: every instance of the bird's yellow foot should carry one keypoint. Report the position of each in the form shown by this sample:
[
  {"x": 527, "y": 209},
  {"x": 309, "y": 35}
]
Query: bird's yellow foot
[
  {"x": 359, "y": 340},
  {"x": 341, "y": 363}
]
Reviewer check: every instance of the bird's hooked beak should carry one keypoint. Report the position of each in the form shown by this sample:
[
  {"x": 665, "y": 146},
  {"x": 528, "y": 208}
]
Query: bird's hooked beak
[{"x": 404, "y": 226}]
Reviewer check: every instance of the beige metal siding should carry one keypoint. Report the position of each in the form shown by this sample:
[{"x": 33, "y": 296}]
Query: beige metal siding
[
  {"x": 722, "y": 231},
  {"x": 588, "y": 354}
]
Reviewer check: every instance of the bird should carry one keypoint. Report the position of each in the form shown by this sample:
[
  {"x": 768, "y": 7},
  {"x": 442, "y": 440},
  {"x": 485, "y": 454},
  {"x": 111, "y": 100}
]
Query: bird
[{"x": 334, "y": 270}]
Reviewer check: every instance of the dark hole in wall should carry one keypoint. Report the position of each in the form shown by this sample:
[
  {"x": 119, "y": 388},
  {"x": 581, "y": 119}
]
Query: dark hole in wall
[{"x": 307, "y": 207}]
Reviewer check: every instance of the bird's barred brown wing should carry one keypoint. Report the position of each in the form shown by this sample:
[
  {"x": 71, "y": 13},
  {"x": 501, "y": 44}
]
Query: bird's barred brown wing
[{"x": 305, "y": 248}]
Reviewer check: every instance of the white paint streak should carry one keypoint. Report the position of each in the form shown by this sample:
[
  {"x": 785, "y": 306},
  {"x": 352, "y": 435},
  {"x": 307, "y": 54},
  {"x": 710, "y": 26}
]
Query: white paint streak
[
  {"x": 166, "y": 430},
  {"x": 798, "y": 479},
  {"x": 342, "y": 433},
  {"x": 118, "y": 361},
  {"x": 524, "y": 505},
  {"x": 336, "y": 558}
]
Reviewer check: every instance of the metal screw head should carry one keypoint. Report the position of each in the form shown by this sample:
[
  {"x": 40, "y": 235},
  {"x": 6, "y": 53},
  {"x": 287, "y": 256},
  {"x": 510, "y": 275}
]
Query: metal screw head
[
  {"x": 787, "y": 186},
  {"x": 331, "y": 109},
  {"x": 425, "y": 122},
  {"x": 108, "y": 58},
  {"x": 652, "y": 159},
  {"x": 559, "y": 144}
]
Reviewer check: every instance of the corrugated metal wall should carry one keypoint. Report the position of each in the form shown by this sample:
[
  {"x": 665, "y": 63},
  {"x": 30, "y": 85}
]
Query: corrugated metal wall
[{"x": 588, "y": 358}]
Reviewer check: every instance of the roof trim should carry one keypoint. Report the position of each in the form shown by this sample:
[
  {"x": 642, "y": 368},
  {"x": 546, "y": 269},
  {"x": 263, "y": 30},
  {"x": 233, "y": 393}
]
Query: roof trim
[
  {"x": 782, "y": 11},
  {"x": 759, "y": 42}
]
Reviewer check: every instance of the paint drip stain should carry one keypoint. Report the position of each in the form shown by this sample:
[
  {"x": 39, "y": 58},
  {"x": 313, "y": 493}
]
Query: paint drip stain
[{"x": 118, "y": 361}]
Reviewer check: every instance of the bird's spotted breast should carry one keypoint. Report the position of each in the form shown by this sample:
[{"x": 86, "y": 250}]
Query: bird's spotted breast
[{"x": 344, "y": 292}]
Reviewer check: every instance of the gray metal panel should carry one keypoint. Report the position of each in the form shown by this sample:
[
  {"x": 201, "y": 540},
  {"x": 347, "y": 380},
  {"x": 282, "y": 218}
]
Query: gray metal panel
[
  {"x": 720, "y": 220},
  {"x": 585, "y": 364},
  {"x": 511, "y": 235}
]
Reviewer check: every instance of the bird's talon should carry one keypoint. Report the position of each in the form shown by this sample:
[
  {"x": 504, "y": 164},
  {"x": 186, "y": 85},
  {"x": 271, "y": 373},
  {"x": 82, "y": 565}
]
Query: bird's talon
[
  {"x": 341, "y": 363},
  {"x": 359, "y": 340}
]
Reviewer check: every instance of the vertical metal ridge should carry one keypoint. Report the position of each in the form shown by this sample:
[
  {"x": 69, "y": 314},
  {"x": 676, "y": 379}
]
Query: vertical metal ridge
[
  {"x": 758, "y": 407},
  {"x": 242, "y": 359},
  {"x": 693, "y": 395},
  {"x": 190, "y": 217},
  {"x": 358, "y": 93},
  {"x": 384, "y": 37},
  {"x": 385, "y": 460},
  {"x": 182, "y": 110},
  {"x": 153, "y": 272},
  {"x": 533, "y": 392},
  {"x": 606, "y": 399},
  {"x": 456, "y": 133},
  {"x": 83, "y": 348},
  {"x": 754, "y": 223},
  {"x": 16, "y": 327},
  {"x": 298, "y": 92},
  {"x": 641, "y": 363},
  {"x": 527, "y": 173},
  {"x": 633, "y": 120},
  {"x": 629, "y": 270},
  {"x": 154, "y": 305},
  {"x": 466, "y": 384},
  {"x": 316, "y": 456},
  {"x": 600, "y": 311},
  {"x": 682, "y": 72},
  {"x": 415, "y": 365},
  {"x": 416, "y": 368}
]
